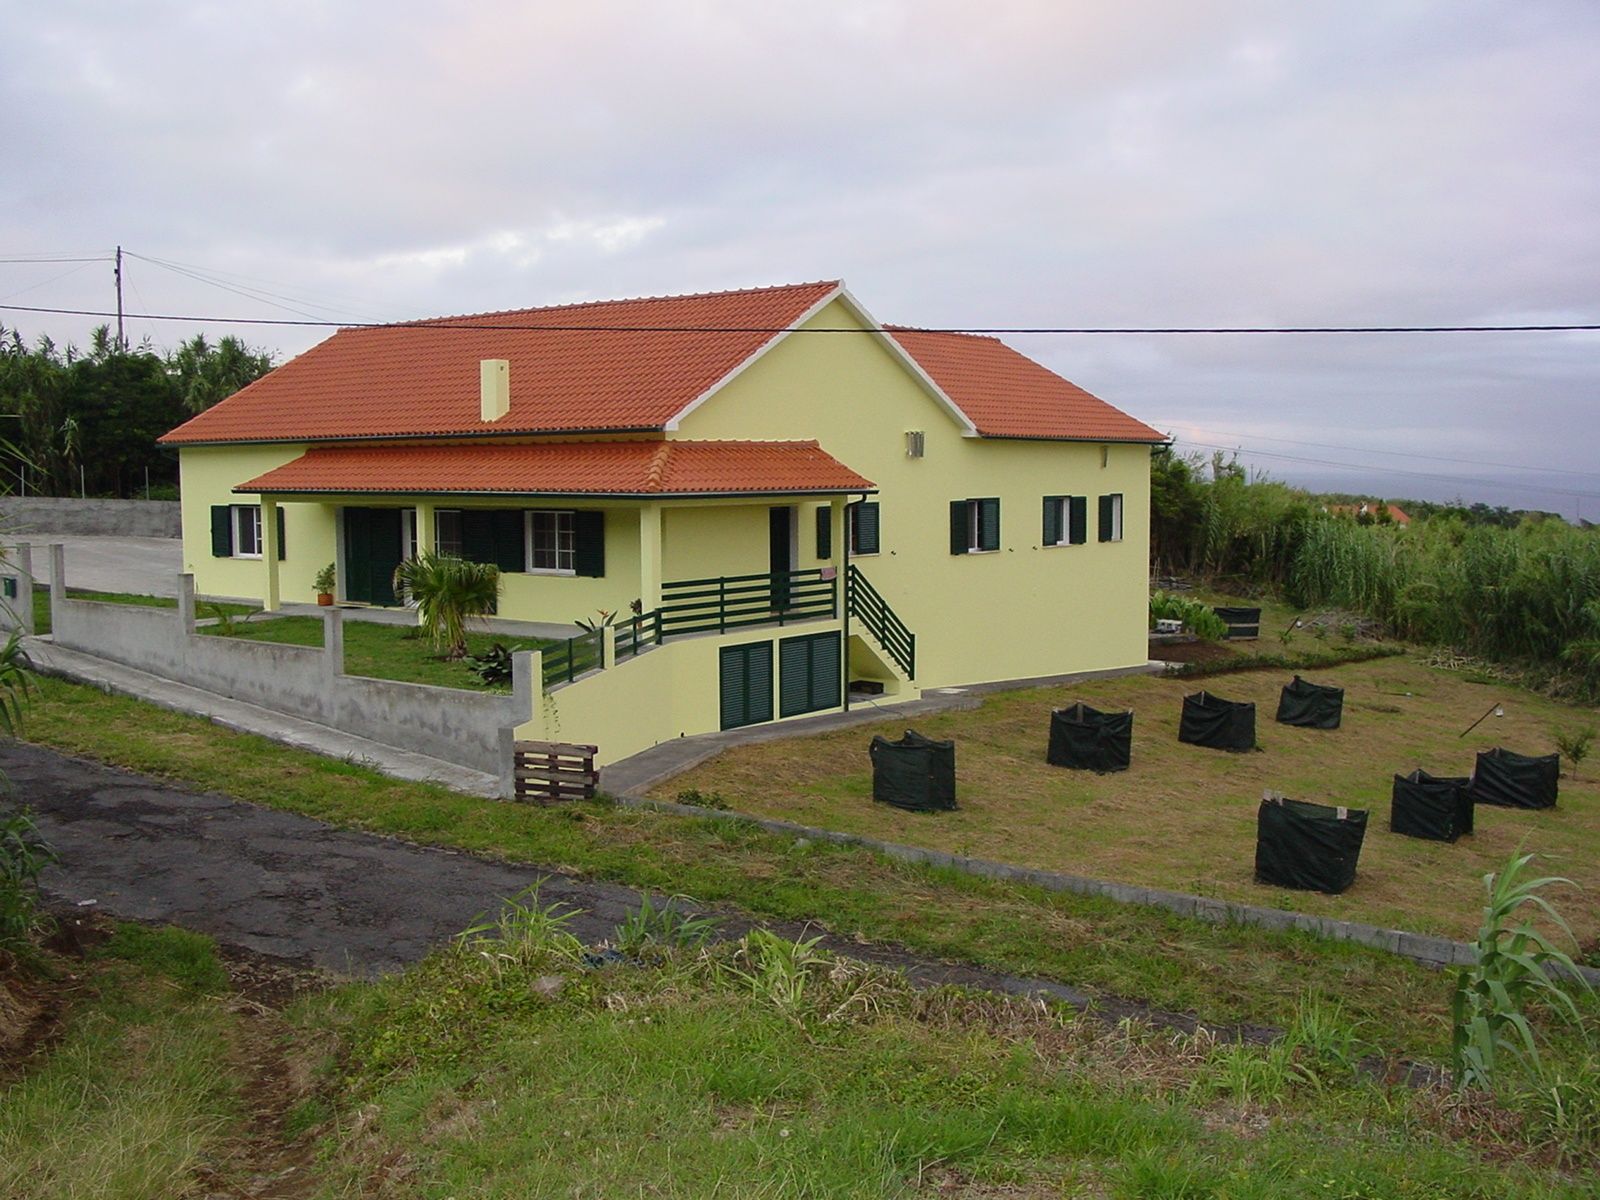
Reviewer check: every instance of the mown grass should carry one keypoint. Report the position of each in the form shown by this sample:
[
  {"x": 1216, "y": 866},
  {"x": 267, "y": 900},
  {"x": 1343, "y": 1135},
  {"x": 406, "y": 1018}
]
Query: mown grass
[
  {"x": 1183, "y": 817},
  {"x": 140, "y": 1091},
  {"x": 378, "y": 651},
  {"x": 1225, "y": 974},
  {"x": 503, "y": 1067}
]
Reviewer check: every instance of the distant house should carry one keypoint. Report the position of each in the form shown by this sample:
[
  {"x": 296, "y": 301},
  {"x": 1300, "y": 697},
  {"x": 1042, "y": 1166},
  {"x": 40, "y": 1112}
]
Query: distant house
[
  {"x": 786, "y": 507},
  {"x": 1371, "y": 508}
]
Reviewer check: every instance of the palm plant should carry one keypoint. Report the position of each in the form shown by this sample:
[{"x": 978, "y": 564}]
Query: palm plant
[
  {"x": 448, "y": 592},
  {"x": 15, "y": 672}
]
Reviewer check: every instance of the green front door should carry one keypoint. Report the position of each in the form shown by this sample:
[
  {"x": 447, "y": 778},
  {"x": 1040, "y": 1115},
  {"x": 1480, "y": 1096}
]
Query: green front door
[{"x": 371, "y": 553}]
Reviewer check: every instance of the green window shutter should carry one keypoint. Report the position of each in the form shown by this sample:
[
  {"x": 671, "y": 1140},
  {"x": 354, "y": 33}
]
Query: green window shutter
[
  {"x": 282, "y": 545},
  {"x": 825, "y": 531},
  {"x": 1052, "y": 520},
  {"x": 864, "y": 519},
  {"x": 826, "y": 691},
  {"x": 1105, "y": 518},
  {"x": 989, "y": 524},
  {"x": 589, "y": 543},
  {"x": 958, "y": 526},
  {"x": 1077, "y": 520},
  {"x": 794, "y": 676},
  {"x": 745, "y": 684},
  {"x": 477, "y": 535},
  {"x": 221, "y": 531},
  {"x": 508, "y": 527}
]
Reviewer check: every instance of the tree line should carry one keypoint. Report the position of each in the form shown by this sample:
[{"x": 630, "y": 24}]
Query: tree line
[
  {"x": 1520, "y": 588},
  {"x": 85, "y": 422}
]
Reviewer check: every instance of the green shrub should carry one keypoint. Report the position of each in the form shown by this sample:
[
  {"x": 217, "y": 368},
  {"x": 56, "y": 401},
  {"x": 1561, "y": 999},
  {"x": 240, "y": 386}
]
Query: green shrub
[
  {"x": 23, "y": 855},
  {"x": 1197, "y": 618}
]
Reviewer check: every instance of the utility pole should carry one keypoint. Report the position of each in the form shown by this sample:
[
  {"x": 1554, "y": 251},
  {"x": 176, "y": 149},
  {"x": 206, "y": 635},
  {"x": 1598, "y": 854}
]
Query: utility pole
[{"x": 122, "y": 342}]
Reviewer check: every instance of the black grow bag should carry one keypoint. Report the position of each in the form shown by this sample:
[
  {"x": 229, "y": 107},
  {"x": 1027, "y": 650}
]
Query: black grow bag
[
  {"x": 917, "y": 773},
  {"x": 1310, "y": 705},
  {"x": 1428, "y": 806},
  {"x": 1220, "y": 724},
  {"x": 1308, "y": 846},
  {"x": 1089, "y": 739},
  {"x": 1241, "y": 622},
  {"x": 1515, "y": 780}
]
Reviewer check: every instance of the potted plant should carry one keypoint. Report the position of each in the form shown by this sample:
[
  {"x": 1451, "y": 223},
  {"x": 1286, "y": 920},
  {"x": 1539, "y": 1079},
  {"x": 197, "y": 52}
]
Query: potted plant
[{"x": 323, "y": 584}]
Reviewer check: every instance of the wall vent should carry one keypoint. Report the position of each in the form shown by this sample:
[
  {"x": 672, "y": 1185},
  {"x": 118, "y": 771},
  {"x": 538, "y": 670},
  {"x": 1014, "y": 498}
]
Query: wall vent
[{"x": 914, "y": 443}]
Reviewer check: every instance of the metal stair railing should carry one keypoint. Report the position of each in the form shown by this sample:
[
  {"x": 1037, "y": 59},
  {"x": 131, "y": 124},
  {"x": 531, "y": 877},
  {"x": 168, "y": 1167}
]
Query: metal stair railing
[{"x": 863, "y": 602}]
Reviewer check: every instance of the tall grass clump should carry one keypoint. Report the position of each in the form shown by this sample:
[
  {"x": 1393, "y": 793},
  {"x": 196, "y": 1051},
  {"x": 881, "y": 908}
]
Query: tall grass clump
[{"x": 1529, "y": 594}]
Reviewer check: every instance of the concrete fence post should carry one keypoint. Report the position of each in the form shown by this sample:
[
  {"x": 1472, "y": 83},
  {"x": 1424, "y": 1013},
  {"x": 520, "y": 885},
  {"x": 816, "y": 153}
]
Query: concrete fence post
[
  {"x": 608, "y": 647},
  {"x": 186, "y": 604},
  {"x": 58, "y": 574},
  {"x": 526, "y": 666},
  {"x": 332, "y": 643},
  {"x": 24, "y": 611}
]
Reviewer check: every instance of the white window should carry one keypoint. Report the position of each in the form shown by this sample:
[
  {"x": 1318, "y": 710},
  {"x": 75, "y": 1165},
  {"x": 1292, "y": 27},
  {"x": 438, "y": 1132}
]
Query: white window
[
  {"x": 247, "y": 531},
  {"x": 1111, "y": 517},
  {"x": 447, "y": 532},
  {"x": 551, "y": 545}
]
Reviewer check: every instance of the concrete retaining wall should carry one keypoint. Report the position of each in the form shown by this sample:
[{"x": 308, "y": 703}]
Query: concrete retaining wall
[
  {"x": 467, "y": 728},
  {"x": 107, "y": 518}
]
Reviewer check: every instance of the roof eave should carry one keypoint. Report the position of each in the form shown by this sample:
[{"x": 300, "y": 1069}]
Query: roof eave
[{"x": 868, "y": 489}]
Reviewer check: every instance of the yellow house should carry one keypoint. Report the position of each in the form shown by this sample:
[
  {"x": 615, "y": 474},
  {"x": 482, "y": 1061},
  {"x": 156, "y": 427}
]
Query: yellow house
[{"x": 785, "y": 501}]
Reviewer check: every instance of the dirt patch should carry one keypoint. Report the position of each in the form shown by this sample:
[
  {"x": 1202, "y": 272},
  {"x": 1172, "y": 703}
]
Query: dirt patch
[
  {"x": 36, "y": 995},
  {"x": 1204, "y": 653}
]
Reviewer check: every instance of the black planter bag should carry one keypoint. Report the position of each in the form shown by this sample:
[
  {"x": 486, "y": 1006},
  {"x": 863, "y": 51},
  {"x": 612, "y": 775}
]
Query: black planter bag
[
  {"x": 1241, "y": 622},
  {"x": 1311, "y": 847},
  {"x": 1516, "y": 780},
  {"x": 1431, "y": 806},
  {"x": 1310, "y": 705},
  {"x": 915, "y": 772},
  {"x": 1220, "y": 724},
  {"x": 1090, "y": 740}
]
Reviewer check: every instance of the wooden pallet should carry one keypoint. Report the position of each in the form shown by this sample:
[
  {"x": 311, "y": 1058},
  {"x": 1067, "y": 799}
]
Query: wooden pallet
[{"x": 545, "y": 772}]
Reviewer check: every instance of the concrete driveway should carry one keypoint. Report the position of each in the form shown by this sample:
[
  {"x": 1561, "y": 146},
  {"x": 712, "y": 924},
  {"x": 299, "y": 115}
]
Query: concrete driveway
[{"x": 144, "y": 566}]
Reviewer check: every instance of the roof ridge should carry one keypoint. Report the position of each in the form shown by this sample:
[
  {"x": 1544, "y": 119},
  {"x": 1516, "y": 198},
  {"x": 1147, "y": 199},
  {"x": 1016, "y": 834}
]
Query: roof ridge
[
  {"x": 658, "y": 465},
  {"x": 981, "y": 337},
  {"x": 575, "y": 304}
]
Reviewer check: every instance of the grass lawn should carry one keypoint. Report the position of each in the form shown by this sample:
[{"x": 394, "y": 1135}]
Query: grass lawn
[
  {"x": 41, "y": 604},
  {"x": 401, "y": 652},
  {"x": 504, "y": 1066},
  {"x": 1183, "y": 817},
  {"x": 1225, "y": 974}
]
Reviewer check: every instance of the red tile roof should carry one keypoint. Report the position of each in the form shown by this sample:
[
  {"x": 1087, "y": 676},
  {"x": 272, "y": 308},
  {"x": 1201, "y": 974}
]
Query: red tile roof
[
  {"x": 566, "y": 469},
  {"x": 421, "y": 378},
  {"x": 1006, "y": 394},
  {"x": 650, "y": 360}
]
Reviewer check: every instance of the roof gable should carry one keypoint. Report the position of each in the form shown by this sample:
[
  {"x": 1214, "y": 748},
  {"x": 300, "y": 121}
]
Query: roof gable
[
  {"x": 421, "y": 378},
  {"x": 1005, "y": 394}
]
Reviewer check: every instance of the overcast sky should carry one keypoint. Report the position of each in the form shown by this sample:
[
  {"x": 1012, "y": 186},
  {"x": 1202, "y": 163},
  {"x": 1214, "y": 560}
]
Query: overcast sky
[{"x": 957, "y": 164}]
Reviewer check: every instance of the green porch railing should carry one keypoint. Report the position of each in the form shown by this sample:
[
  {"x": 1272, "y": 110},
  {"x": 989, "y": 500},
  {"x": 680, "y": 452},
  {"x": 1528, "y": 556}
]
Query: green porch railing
[
  {"x": 636, "y": 632},
  {"x": 565, "y": 661},
  {"x": 735, "y": 601},
  {"x": 877, "y": 618}
]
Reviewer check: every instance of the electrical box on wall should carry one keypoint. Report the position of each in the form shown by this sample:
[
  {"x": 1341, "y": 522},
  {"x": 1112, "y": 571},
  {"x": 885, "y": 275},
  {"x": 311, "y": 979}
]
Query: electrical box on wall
[{"x": 914, "y": 443}]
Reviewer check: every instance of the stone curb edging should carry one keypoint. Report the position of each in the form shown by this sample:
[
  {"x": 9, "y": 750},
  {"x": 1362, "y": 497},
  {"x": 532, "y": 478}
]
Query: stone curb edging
[{"x": 1423, "y": 948}]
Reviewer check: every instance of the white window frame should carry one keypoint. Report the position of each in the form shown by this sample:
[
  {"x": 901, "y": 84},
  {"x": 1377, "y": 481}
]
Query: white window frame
[
  {"x": 566, "y": 526},
  {"x": 240, "y": 517},
  {"x": 1116, "y": 517},
  {"x": 1063, "y": 520},
  {"x": 439, "y": 546},
  {"x": 975, "y": 527}
]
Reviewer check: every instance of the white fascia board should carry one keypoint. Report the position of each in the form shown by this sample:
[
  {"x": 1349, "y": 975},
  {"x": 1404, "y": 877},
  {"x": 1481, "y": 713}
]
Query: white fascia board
[
  {"x": 677, "y": 418},
  {"x": 898, "y": 352}
]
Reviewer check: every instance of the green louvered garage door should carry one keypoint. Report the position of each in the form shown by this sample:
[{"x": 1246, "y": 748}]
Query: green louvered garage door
[
  {"x": 746, "y": 684},
  {"x": 808, "y": 674}
]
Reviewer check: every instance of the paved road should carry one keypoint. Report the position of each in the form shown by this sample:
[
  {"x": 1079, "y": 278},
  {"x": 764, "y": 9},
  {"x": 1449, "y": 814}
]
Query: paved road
[
  {"x": 293, "y": 888},
  {"x": 146, "y": 566}
]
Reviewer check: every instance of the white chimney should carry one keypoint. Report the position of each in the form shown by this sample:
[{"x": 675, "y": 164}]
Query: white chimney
[{"x": 494, "y": 379}]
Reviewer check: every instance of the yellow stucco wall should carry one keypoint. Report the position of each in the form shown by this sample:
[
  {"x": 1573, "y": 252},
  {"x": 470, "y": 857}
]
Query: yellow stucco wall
[
  {"x": 665, "y": 693},
  {"x": 207, "y": 475},
  {"x": 1019, "y": 612}
]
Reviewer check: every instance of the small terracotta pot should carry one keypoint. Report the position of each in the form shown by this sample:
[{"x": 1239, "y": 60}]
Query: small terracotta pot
[{"x": 324, "y": 598}]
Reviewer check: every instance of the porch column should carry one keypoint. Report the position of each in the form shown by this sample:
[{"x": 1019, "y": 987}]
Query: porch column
[
  {"x": 269, "y": 551},
  {"x": 838, "y": 507},
  {"x": 425, "y": 528},
  {"x": 649, "y": 557}
]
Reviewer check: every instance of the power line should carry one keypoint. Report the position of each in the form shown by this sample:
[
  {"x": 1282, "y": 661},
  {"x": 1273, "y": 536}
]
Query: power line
[
  {"x": 1466, "y": 462},
  {"x": 480, "y": 326},
  {"x": 276, "y": 299},
  {"x": 54, "y": 259},
  {"x": 1472, "y": 482}
]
